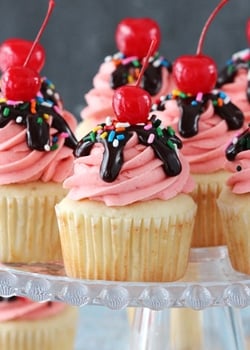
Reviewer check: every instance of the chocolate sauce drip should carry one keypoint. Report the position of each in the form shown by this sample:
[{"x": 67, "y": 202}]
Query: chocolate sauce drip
[
  {"x": 8, "y": 299},
  {"x": 239, "y": 144},
  {"x": 188, "y": 123},
  {"x": 192, "y": 109},
  {"x": 229, "y": 72},
  {"x": 152, "y": 78},
  {"x": 231, "y": 114},
  {"x": 34, "y": 118},
  {"x": 112, "y": 156},
  {"x": 162, "y": 141}
]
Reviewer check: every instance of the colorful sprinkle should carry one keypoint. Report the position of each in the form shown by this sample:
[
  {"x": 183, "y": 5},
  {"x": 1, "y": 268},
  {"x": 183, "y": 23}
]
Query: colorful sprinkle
[{"x": 151, "y": 138}]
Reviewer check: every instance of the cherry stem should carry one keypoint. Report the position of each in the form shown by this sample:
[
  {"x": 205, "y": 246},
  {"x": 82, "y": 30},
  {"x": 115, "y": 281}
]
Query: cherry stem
[
  {"x": 207, "y": 24},
  {"x": 146, "y": 61},
  {"x": 44, "y": 24},
  {"x": 248, "y": 31}
]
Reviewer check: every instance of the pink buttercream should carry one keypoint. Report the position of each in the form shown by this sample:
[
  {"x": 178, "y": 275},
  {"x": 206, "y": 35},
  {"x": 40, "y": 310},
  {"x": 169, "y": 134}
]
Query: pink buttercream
[
  {"x": 141, "y": 177},
  {"x": 25, "y": 309},
  {"x": 239, "y": 181},
  {"x": 237, "y": 92},
  {"x": 20, "y": 164},
  {"x": 206, "y": 150},
  {"x": 99, "y": 98}
]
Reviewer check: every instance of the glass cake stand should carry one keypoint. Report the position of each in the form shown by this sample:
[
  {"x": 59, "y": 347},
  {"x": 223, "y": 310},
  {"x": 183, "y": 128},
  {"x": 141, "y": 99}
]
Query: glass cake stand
[{"x": 200, "y": 311}]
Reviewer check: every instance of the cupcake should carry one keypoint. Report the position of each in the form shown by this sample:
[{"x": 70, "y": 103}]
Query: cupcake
[
  {"x": 28, "y": 325},
  {"x": 206, "y": 120},
  {"x": 234, "y": 202},
  {"x": 205, "y": 124},
  {"x": 133, "y": 37},
  {"x": 127, "y": 215},
  {"x": 36, "y": 155}
]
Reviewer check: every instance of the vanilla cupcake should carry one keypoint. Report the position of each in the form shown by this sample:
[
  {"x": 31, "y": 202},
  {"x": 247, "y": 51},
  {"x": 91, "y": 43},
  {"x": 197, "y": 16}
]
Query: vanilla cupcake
[
  {"x": 133, "y": 37},
  {"x": 128, "y": 215},
  {"x": 205, "y": 124},
  {"x": 28, "y": 325},
  {"x": 36, "y": 155},
  {"x": 234, "y": 202}
]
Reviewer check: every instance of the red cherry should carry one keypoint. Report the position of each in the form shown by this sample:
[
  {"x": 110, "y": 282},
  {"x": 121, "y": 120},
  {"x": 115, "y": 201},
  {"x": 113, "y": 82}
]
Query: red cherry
[
  {"x": 134, "y": 35},
  {"x": 13, "y": 52},
  {"x": 20, "y": 83},
  {"x": 197, "y": 73},
  {"x": 131, "y": 104}
]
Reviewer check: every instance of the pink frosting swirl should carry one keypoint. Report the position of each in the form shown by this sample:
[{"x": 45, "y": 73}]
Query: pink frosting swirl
[
  {"x": 239, "y": 181},
  {"x": 99, "y": 98},
  {"x": 20, "y": 164},
  {"x": 206, "y": 150},
  {"x": 25, "y": 309},
  {"x": 237, "y": 92},
  {"x": 141, "y": 177}
]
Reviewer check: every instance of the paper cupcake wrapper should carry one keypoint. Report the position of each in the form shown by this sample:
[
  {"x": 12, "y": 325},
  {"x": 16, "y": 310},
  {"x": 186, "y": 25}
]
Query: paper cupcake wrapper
[
  {"x": 125, "y": 248},
  {"x": 208, "y": 230},
  {"x": 54, "y": 333},
  {"x": 28, "y": 225},
  {"x": 235, "y": 214}
]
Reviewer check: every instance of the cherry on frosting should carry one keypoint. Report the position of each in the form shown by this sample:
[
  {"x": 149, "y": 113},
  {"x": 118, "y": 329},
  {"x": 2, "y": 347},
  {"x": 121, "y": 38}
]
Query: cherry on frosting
[
  {"x": 132, "y": 104},
  {"x": 134, "y": 35},
  {"x": 22, "y": 83},
  {"x": 197, "y": 73},
  {"x": 14, "y": 51}
]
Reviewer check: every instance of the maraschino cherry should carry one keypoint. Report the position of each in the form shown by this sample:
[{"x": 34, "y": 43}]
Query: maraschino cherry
[
  {"x": 22, "y": 83},
  {"x": 197, "y": 73},
  {"x": 14, "y": 51},
  {"x": 134, "y": 35},
  {"x": 132, "y": 104}
]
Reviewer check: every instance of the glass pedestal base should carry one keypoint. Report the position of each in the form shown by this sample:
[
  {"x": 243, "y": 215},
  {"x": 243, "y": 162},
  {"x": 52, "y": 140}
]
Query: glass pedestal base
[
  {"x": 215, "y": 328},
  {"x": 201, "y": 311}
]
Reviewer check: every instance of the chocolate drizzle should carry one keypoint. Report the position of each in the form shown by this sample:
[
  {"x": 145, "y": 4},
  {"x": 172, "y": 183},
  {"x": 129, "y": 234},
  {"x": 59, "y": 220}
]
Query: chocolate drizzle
[
  {"x": 239, "y": 144},
  {"x": 127, "y": 72},
  {"x": 38, "y": 116},
  {"x": 191, "y": 110},
  {"x": 114, "y": 136},
  {"x": 240, "y": 60},
  {"x": 8, "y": 299}
]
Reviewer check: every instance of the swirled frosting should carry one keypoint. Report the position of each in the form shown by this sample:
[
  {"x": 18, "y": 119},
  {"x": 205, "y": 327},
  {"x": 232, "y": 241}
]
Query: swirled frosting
[
  {"x": 19, "y": 308},
  {"x": 239, "y": 181},
  {"x": 99, "y": 98},
  {"x": 208, "y": 127},
  {"x": 137, "y": 171},
  {"x": 234, "y": 80},
  {"x": 20, "y": 164}
]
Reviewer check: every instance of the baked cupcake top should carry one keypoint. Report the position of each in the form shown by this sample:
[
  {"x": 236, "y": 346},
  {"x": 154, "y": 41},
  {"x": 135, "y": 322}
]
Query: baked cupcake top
[
  {"x": 238, "y": 163},
  {"x": 120, "y": 163},
  {"x": 23, "y": 309}
]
